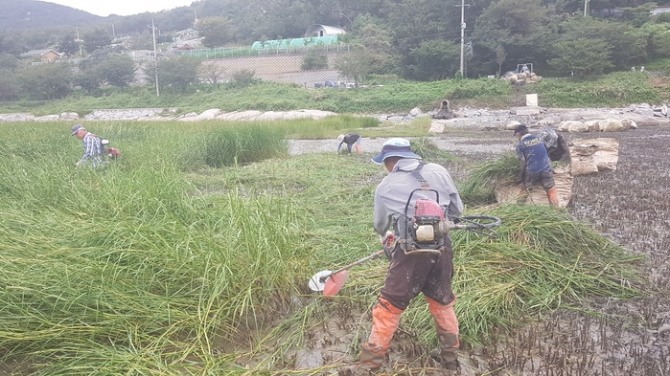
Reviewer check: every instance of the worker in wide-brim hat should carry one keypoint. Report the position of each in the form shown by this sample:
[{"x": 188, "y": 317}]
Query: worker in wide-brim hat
[{"x": 409, "y": 180}]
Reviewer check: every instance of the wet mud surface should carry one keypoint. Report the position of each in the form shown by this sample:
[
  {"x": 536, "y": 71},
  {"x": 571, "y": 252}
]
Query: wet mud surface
[{"x": 630, "y": 205}]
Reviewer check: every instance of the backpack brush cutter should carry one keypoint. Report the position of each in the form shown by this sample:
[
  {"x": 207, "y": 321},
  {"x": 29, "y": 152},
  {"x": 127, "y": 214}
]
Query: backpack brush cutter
[{"x": 331, "y": 282}]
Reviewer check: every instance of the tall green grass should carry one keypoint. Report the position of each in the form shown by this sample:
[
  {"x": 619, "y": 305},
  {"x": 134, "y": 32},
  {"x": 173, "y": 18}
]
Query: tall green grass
[
  {"x": 613, "y": 90},
  {"x": 162, "y": 265},
  {"x": 122, "y": 268}
]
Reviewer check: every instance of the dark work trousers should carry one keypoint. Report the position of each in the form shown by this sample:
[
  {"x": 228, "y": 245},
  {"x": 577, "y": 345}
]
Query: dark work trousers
[{"x": 428, "y": 273}]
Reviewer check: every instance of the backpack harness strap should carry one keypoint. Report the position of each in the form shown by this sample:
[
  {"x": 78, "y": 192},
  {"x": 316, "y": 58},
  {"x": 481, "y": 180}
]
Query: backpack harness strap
[{"x": 424, "y": 232}]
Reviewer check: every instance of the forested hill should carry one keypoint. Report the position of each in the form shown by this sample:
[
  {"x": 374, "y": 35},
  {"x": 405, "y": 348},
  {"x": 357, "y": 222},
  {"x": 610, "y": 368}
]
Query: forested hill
[
  {"x": 416, "y": 39},
  {"x": 19, "y": 15}
]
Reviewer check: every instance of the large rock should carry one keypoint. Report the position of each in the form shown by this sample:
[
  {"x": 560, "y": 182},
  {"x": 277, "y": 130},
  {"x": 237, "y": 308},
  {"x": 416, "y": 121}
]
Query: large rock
[
  {"x": 240, "y": 115},
  {"x": 593, "y": 155},
  {"x": 210, "y": 114},
  {"x": 17, "y": 116},
  {"x": 68, "y": 116},
  {"x": 610, "y": 125},
  {"x": 573, "y": 126}
]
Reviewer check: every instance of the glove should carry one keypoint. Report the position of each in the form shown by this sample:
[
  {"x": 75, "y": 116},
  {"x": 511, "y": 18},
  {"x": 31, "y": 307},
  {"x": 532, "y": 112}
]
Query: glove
[{"x": 388, "y": 241}]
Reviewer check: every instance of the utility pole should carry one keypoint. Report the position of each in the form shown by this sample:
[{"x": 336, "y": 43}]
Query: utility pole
[
  {"x": 462, "y": 33},
  {"x": 153, "y": 33},
  {"x": 586, "y": 7}
]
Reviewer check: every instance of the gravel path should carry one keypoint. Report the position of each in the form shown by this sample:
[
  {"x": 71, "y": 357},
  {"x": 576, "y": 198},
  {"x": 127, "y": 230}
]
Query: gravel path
[{"x": 459, "y": 145}]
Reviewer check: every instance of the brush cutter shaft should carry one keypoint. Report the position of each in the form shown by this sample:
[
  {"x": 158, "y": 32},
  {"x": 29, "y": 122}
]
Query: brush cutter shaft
[
  {"x": 364, "y": 259},
  {"x": 330, "y": 283},
  {"x": 475, "y": 222}
]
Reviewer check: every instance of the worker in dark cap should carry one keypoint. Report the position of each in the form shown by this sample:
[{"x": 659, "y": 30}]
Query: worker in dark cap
[{"x": 535, "y": 166}]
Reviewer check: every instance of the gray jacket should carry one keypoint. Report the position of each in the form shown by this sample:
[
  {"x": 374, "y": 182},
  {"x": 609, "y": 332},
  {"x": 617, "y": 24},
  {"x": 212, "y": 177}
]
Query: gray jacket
[{"x": 392, "y": 193}]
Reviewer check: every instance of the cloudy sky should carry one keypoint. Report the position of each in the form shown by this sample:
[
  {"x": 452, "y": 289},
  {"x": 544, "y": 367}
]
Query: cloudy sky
[{"x": 121, "y": 7}]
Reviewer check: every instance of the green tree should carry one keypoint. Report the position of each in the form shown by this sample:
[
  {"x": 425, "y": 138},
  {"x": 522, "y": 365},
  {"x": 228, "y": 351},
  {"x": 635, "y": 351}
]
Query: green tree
[
  {"x": 215, "y": 31},
  {"x": 9, "y": 88},
  {"x": 8, "y": 61},
  {"x": 314, "y": 60},
  {"x": 11, "y": 43},
  {"x": 211, "y": 72},
  {"x": 520, "y": 27},
  {"x": 46, "y": 82},
  {"x": 87, "y": 80},
  {"x": 628, "y": 43},
  {"x": 657, "y": 36},
  {"x": 68, "y": 45},
  {"x": 581, "y": 57},
  {"x": 432, "y": 60},
  {"x": 117, "y": 70},
  {"x": 286, "y": 18},
  {"x": 177, "y": 73},
  {"x": 355, "y": 65},
  {"x": 371, "y": 34},
  {"x": 96, "y": 39}
]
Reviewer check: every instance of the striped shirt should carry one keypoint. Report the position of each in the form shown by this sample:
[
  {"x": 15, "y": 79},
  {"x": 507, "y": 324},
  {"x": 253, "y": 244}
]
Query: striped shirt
[
  {"x": 394, "y": 190},
  {"x": 92, "y": 150}
]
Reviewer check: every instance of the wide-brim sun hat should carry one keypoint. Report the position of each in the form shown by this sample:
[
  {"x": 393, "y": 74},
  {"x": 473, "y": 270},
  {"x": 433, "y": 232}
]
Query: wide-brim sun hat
[
  {"x": 340, "y": 138},
  {"x": 395, "y": 147}
]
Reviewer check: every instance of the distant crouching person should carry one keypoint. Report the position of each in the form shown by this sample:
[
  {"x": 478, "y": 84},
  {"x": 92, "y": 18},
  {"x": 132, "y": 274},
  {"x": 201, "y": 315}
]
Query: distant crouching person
[{"x": 93, "y": 150}]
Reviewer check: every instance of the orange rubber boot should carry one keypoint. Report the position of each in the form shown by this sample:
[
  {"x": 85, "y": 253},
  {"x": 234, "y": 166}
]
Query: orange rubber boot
[
  {"x": 385, "y": 321},
  {"x": 552, "y": 196},
  {"x": 447, "y": 333}
]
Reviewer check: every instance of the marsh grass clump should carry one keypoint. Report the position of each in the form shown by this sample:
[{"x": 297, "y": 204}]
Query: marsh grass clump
[
  {"x": 427, "y": 149},
  {"x": 540, "y": 260},
  {"x": 227, "y": 146},
  {"x": 328, "y": 127},
  {"x": 122, "y": 270},
  {"x": 479, "y": 187}
]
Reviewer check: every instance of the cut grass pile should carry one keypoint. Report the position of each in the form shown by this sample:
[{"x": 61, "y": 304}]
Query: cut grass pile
[
  {"x": 156, "y": 264},
  {"x": 479, "y": 187}
]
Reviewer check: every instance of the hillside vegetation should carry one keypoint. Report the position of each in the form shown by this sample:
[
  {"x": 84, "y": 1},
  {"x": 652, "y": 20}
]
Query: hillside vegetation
[
  {"x": 418, "y": 41},
  {"x": 614, "y": 90}
]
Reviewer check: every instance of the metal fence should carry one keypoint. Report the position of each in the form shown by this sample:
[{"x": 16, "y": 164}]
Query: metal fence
[{"x": 232, "y": 52}]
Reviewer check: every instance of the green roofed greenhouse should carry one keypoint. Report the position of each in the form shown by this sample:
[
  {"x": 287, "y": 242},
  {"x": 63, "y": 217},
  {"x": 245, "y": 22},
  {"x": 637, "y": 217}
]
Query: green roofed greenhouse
[{"x": 327, "y": 40}]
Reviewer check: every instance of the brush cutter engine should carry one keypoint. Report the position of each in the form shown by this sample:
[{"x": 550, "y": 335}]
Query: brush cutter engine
[{"x": 426, "y": 230}]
